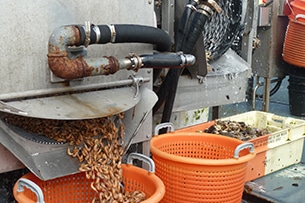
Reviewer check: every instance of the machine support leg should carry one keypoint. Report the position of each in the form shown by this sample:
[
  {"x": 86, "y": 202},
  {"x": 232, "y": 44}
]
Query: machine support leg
[
  {"x": 266, "y": 98},
  {"x": 145, "y": 151},
  {"x": 215, "y": 112}
]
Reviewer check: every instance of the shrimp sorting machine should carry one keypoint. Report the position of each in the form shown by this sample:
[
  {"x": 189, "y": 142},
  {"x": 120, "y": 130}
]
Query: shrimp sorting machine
[
  {"x": 153, "y": 61},
  {"x": 75, "y": 60}
]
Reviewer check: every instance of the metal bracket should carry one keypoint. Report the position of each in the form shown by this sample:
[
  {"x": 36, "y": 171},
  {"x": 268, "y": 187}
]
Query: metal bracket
[
  {"x": 200, "y": 79},
  {"x": 137, "y": 81}
]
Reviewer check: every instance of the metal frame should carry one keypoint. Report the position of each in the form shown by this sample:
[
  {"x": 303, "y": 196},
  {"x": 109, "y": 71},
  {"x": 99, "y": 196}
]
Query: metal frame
[
  {"x": 24, "y": 71},
  {"x": 267, "y": 59}
]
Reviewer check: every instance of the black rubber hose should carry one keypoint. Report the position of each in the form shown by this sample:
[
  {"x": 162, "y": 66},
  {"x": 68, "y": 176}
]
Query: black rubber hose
[
  {"x": 156, "y": 74},
  {"x": 171, "y": 80},
  {"x": 180, "y": 33},
  {"x": 183, "y": 24},
  {"x": 194, "y": 32},
  {"x": 161, "y": 60},
  {"x": 125, "y": 33},
  {"x": 170, "y": 98},
  {"x": 275, "y": 88}
]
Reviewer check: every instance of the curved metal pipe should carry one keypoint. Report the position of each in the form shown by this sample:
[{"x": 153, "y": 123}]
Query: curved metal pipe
[
  {"x": 67, "y": 68},
  {"x": 71, "y": 67}
]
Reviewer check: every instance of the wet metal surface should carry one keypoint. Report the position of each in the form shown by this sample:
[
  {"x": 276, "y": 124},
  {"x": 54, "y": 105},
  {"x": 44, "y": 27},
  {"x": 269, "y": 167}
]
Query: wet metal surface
[
  {"x": 48, "y": 160},
  {"x": 85, "y": 105},
  {"x": 285, "y": 186}
]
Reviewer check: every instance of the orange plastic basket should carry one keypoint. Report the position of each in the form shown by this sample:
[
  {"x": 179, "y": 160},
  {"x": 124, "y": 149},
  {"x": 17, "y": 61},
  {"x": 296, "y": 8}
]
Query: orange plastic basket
[
  {"x": 294, "y": 43},
  {"x": 201, "y": 167},
  {"x": 76, "y": 188}
]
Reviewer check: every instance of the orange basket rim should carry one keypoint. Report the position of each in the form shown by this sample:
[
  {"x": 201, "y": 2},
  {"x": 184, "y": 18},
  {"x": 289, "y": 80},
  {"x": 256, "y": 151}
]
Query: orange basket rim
[
  {"x": 297, "y": 5},
  {"x": 153, "y": 178},
  {"x": 196, "y": 161}
]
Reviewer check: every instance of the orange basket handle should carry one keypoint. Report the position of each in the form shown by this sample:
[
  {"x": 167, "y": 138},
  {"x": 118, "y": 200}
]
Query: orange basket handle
[
  {"x": 141, "y": 157},
  {"x": 242, "y": 146},
  {"x": 168, "y": 125},
  {"x": 23, "y": 182}
]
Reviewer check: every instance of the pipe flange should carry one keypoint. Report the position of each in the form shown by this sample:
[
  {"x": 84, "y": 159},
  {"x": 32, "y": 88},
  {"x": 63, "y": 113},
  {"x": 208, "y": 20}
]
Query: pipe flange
[{"x": 136, "y": 62}]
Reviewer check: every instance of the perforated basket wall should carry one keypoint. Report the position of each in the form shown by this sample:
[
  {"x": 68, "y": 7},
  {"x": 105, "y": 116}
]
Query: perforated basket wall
[
  {"x": 294, "y": 44},
  {"x": 76, "y": 188},
  {"x": 199, "y": 167}
]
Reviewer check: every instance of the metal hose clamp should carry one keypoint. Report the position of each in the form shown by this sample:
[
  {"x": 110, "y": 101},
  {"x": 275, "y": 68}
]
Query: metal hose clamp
[
  {"x": 206, "y": 10},
  {"x": 97, "y": 33},
  {"x": 136, "y": 62},
  {"x": 183, "y": 59},
  {"x": 215, "y": 5},
  {"x": 113, "y": 33},
  {"x": 191, "y": 7},
  {"x": 88, "y": 32}
]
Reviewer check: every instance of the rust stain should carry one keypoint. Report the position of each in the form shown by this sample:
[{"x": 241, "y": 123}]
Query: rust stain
[
  {"x": 64, "y": 67},
  {"x": 76, "y": 35},
  {"x": 67, "y": 68},
  {"x": 248, "y": 188},
  {"x": 55, "y": 49},
  {"x": 112, "y": 66}
]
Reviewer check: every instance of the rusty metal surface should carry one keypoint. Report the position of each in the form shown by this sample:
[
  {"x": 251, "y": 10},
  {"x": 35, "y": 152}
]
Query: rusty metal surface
[
  {"x": 77, "y": 66},
  {"x": 24, "y": 71},
  {"x": 24, "y": 61},
  {"x": 24, "y": 58},
  {"x": 66, "y": 68}
]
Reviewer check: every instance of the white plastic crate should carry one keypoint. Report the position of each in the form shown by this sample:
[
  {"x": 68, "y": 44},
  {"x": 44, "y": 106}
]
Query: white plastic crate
[
  {"x": 281, "y": 129},
  {"x": 282, "y": 147}
]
